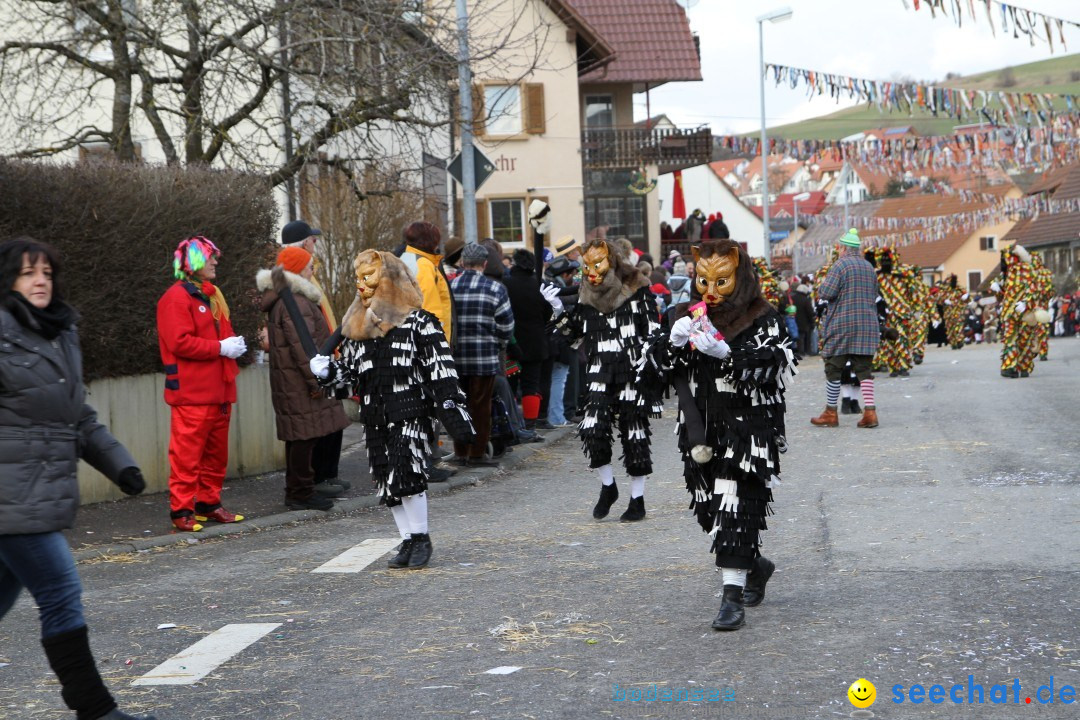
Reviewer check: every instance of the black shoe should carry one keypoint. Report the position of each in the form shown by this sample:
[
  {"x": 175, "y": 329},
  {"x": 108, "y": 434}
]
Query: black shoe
[
  {"x": 315, "y": 502},
  {"x": 420, "y": 552},
  {"x": 918, "y": 359},
  {"x": 855, "y": 409},
  {"x": 544, "y": 425},
  {"x": 440, "y": 475},
  {"x": 635, "y": 511},
  {"x": 754, "y": 592},
  {"x": 482, "y": 462},
  {"x": 1024, "y": 373},
  {"x": 345, "y": 484},
  {"x": 402, "y": 558},
  {"x": 529, "y": 436},
  {"x": 608, "y": 495},
  {"x": 1010, "y": 373},
  {"x": 894, "y": 373},
  {"x": 845, "y": 406},
  {"x": 117, "y": 714},
  {"x": 329, "y": 490},
  {"x": 732, "y": 616},
  {"x": 904, "y": 373}
]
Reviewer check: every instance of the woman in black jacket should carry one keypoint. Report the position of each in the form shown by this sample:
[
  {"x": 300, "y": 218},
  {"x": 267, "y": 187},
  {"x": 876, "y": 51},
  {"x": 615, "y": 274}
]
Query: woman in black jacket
[
  {"x": 45, "y": 427},
  {"x": 531, "y": 315}
]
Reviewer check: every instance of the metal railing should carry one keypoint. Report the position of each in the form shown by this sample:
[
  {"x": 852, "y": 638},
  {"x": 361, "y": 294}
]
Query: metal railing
[{"x": 669, "y": 148}]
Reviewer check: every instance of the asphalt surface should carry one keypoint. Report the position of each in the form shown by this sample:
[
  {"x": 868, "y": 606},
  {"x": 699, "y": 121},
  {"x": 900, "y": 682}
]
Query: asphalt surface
[{"x": 940, "y": 545}]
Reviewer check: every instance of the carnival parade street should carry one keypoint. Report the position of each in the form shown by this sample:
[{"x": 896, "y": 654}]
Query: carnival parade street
[{"x": 937, "y": 549}]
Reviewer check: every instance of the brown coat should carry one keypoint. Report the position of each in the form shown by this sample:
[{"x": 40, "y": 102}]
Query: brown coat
[{"x": 303, "y": 411}]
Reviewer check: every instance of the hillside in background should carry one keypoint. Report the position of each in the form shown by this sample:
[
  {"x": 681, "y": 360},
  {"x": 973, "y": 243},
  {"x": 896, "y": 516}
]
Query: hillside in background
[{"x": 1057, "y": 75}]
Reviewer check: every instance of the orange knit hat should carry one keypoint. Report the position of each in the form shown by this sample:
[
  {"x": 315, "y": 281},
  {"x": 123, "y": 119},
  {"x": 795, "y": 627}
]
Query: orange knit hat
[{"x": 294, "y": 259}]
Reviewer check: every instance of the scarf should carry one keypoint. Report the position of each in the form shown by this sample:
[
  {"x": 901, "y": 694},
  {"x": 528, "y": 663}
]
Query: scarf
[
  {"x": 218, "y": 307},
  {"x": 47, "y": 322}
]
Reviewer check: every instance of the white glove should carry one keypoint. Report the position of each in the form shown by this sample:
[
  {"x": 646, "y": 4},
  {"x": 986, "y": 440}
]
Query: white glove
[
  {"x": 551, "y": 294},
  {"x": 320, "y": 366},
  {"x": 964, "y": 297},
  {"x": 232, "y": 347},
  {"x": 680, "y": 331},
  {"x": 995, "y": 286},
  {"x": 709, "y": 345},
  {"x": 1021, "y": 306},
  {"x": 948, "y": 302}
]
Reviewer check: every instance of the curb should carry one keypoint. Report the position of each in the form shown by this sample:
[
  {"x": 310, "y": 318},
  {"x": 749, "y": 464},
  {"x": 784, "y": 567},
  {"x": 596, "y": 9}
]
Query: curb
[{"x": 464, "y": 477}]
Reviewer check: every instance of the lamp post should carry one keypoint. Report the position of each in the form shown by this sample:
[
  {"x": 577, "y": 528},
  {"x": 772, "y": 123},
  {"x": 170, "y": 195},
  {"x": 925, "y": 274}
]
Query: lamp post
[
  {"x": 775, "y": 16},
  {"x": 801, "y": 197}
]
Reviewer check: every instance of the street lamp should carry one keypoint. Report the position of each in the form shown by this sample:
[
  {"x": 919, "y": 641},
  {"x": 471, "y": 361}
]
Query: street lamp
[
  {"x": 775, "y": 16},
  {"x": 801, "y": 197}
]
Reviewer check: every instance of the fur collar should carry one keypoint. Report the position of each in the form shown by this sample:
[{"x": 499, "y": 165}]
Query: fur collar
[
  {"x": 398, "y": 295},
  {"x": 264, "y": 281},
  {"x": 612, "y": 293}
]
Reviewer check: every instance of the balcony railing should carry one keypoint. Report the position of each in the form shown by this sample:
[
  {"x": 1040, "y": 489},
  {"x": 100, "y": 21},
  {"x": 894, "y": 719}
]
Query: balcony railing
[{"x": 669, "y": 148}]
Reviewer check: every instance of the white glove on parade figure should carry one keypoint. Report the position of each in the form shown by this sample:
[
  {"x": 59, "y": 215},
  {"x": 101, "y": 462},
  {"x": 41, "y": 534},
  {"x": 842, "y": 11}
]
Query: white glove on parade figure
[
  {"x": 1021, "y": 306},
  {"x": 551, "y": 294},
  {"x": 232, "y": 347},
  {"x": 995, "y": 286},
  {"x": 705, "y": 343},
  {"x": 681, "y": 330},
  {"x": 320, "y": 366}
]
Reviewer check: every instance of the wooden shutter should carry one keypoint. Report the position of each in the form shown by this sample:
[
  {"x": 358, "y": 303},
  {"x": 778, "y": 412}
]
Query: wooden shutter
[
  {"x": 535, "y": 118},
  {"x": 478, "y": 109},
  {"x": 483, "y": 226}
]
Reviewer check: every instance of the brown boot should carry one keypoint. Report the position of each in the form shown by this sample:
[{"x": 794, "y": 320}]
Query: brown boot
[
  {"x": 827, "y": 418},
  {"x": 869, "y": 418}
]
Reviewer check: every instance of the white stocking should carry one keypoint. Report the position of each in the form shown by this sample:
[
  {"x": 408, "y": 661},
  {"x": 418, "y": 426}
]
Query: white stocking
[
  {"x": 401, "y": 518},
  {"x": 416, "y": 508},
  {"x": 734, "y": 577},
  {"x": 607, "y": 474},
  {"x": 637, "y": 486}
]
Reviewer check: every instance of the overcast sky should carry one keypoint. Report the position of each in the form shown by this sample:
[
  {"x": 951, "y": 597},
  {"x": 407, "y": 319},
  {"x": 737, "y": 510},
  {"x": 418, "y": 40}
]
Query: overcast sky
[{"x": 873, "y": 39}]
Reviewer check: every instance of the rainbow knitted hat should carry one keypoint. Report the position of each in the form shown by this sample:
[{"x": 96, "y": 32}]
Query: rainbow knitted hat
[{"x": 851, "y": 238}]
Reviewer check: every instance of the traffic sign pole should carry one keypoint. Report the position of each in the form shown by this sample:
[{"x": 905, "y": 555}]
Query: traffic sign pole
[{"x": 468, "y": 168}]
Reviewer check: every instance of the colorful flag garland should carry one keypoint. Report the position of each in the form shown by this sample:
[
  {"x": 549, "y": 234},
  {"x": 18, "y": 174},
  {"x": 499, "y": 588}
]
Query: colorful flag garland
[{"x": 1020, "y": 21}]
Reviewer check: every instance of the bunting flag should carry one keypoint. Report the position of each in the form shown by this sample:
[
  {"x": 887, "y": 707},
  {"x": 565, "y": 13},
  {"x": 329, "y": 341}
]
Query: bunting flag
[
  {"x": 994, "y": 106},
  {"x": 1054, "y": 144},
  {"x": 1020, "y": 22}
]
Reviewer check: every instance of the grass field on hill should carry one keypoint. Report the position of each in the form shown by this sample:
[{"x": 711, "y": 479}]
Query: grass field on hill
[{"x": 1057, "y": 75}]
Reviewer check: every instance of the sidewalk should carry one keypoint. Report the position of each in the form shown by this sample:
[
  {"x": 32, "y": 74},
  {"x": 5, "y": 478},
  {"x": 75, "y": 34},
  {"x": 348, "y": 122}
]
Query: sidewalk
[{"x": 141, "y": 523}]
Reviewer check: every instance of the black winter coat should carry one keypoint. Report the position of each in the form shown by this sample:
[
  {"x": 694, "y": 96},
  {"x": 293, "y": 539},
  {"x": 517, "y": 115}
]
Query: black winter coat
[
  {"x": 45, "y": 427},
  {"x": 531, "y": 314}
]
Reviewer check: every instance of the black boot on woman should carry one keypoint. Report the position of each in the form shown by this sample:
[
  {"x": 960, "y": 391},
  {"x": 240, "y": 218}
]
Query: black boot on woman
[{"x": 732, "y": 616}]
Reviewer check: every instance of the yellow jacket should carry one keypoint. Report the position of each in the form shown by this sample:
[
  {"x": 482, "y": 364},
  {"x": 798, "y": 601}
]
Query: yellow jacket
[{"x": 433, "y": 285}]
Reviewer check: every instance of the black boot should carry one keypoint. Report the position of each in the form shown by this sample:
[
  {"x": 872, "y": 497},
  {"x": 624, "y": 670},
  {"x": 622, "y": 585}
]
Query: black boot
[
  {"x": 635, "y": 510},
  {"x": 420, "y": 552},
  {"x": 845, "y": 406},
  {"x": 608, "y": 495},
  {"x": 732, "y": 616},
  {"x": 855, "y": 409},
  {"x": 80, "y": 684},
  {"x": 402, "y": 558},
  {"x": 754, "y": 592},
  {"x": 1010, "y": 373}
]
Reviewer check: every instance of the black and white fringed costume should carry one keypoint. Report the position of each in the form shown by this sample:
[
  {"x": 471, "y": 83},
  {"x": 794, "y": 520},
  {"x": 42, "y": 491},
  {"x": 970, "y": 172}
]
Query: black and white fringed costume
[
  {"x": 613, "y": 319},
  {"x": 395, "y": 357},
  {"x": 731, "y": 419}
]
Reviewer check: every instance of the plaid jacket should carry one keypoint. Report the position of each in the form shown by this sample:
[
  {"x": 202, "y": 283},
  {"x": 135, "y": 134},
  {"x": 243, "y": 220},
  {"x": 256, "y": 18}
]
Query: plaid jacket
[
  {"x": 851, "y": 322},
  {"x": 484, "y": 322}
]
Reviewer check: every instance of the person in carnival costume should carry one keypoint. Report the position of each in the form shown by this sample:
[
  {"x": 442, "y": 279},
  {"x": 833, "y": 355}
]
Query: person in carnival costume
[
  {"x": 1044, "y": 294},
  {"x": 925, "y": 310},
  {"x": 953, "y": 298},
  {"x": 199, "y": 351},
  {"x": 615, "y": 313},
  {"x": 1018, "y": 298},
  {"x": 894, "y": 355},
  {"x": 770, "y": 285},
  {"x": 396, "y": 357},
  {"x": 730, "y": 358}
]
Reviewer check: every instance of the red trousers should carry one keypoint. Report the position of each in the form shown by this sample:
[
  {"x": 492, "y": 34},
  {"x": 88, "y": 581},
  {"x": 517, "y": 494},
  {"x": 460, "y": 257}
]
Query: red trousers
[{"x": 198, "y": 454}]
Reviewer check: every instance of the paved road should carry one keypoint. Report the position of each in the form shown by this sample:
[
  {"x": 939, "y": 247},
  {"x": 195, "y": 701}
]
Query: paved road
[{"x": 941, "y": 545}]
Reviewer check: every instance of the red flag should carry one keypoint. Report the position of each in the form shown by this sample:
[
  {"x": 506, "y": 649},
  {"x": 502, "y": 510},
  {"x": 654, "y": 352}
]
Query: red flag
[{"x": 678, "y": 202}]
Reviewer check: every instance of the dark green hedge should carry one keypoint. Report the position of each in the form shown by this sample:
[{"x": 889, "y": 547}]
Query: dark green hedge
[{"x": 116, "y": 227}]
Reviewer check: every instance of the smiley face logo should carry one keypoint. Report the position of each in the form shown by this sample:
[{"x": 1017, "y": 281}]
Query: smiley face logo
[{"x": 862, "y": 693}]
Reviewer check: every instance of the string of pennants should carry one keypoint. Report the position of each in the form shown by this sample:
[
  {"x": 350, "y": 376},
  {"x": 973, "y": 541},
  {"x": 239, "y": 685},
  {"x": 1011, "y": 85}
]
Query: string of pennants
[
  {"x": 1050, "y": 146},
  {"x": 1016, "y": 108},
  {"x": 906, "y": 231},
  {"x": 1021, "y": 22}
]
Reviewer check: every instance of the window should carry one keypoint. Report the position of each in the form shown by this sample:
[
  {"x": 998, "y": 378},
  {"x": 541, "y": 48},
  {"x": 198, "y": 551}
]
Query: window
[
  {"x": 974, "y": 280},
  {"x": 988, "y": 243},
  {"x": 599, "y": 111},
  {"x": 508, "y": 220},
  {"x": 503, "y": 105},
  {"x": 621, "y": 216}
]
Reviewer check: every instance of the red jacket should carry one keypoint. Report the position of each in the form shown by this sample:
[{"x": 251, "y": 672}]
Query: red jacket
[{"x": 195, "y": 371}]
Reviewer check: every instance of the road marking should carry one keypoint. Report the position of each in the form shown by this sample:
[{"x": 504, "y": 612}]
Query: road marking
[
  {"x": 359, "y": 557},
  {"x": 202, "y": 658}
]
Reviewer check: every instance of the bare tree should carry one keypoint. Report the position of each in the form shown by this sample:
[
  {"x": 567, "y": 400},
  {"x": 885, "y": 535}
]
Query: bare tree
[{"x": 264, "y": 86}]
